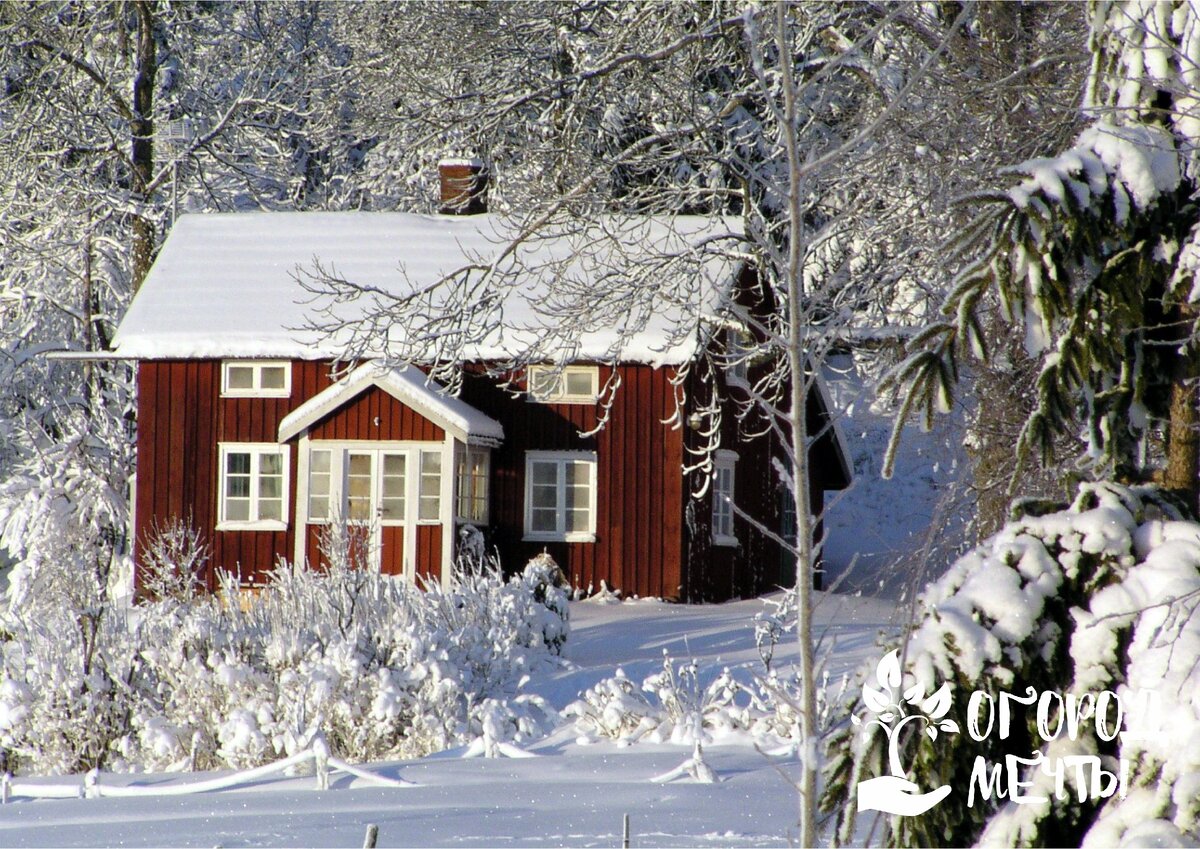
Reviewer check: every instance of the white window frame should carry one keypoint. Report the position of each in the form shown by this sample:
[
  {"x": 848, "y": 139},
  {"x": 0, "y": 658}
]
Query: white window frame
[
  {"x": 561, "y": 458},
  {"x": 256, "y": 450},
  {"x": 462, "y": 484},
  {"x": 256, "y": 390},
  {"x": 560, "y": 394},
  {"x": 723, "y": 513}
]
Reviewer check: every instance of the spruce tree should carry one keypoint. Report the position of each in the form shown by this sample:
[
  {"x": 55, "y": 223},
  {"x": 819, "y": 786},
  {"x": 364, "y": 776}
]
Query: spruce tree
[{"x": 1094, "y": 255}]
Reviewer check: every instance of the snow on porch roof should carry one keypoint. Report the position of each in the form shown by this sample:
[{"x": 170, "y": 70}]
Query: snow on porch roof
[
  {"x": 224, "y": 284},
  {"x": 408, "y": 386}
]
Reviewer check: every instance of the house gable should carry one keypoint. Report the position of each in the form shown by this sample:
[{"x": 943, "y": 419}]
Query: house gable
[{"x": 415, "y": 393}]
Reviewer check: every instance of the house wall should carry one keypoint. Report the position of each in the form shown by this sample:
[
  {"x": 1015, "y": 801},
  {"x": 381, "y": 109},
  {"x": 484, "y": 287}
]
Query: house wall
[
  {"x": 758, "y": 564},
  {"x": 652, "y": 538},
  {"x": 638, "y": 546},
  {"x": 181, "y": 421}
]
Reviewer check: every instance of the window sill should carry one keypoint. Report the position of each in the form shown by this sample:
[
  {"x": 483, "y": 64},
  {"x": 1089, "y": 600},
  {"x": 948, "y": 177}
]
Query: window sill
[
  {"x": 577, "y": 401},
  {"x": 251, "y": 526},
  {"x": 543, "y": 537},
  {"x": 728, "y": 542},
  {"x": 257, "y": 393}
]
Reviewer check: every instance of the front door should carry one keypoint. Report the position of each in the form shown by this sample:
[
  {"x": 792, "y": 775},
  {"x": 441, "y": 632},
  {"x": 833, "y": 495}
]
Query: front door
[{"x": 376, "y": 489}]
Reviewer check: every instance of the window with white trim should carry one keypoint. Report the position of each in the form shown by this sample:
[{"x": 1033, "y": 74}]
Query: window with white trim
[
  {"x": 320, "y": 484},
  {"x": 560, "y": 496},
  {"x": 256, "y": 379},
  {"x": 473, "y": 471},
  {"x": 253, "y": 492},
  {"x": 429, "y": 499},
  {"x": 568, "y": 385},
  {"x": 722, "y": 498}
]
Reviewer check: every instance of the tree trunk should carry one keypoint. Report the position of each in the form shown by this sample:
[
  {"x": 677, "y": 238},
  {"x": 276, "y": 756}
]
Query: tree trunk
[
  {"x": 141, "y": 129},
  {"x": 797, "y": 361},
  {"x": 1183, "y": 429}
]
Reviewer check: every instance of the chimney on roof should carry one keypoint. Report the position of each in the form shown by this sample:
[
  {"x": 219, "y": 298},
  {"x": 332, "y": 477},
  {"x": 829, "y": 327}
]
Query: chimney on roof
[{"x": 464, "y": 185}]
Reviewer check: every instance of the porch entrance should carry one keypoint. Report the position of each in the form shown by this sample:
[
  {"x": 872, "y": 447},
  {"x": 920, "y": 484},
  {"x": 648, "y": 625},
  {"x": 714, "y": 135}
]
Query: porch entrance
[{"x": 391, "y": 498}]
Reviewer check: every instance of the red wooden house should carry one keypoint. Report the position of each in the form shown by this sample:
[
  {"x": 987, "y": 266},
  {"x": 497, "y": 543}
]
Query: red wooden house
[{"x": 244, "y": 431}]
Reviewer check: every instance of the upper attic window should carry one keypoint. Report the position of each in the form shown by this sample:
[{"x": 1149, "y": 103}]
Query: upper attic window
[
  {"x": 569, "y": 385},
  {"x": 256, "y": 379}
]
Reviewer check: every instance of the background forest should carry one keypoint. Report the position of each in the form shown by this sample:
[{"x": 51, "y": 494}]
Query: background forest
[{"x": 990, "y": 206}]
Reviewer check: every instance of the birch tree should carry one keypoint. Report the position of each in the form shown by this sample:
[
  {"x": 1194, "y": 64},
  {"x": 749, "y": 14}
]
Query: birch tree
[{"x": 88, "y": 183}]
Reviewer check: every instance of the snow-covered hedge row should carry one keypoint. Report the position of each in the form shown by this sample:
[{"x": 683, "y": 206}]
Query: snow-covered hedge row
[
  {"x": 378, "y": 667},
  {"x": 1102, "y": 596}
]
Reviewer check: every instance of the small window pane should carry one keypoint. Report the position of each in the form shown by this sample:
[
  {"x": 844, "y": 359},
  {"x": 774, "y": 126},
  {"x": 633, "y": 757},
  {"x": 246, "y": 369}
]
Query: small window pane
[
  {"x": 578, "y": 474},
  {"x": 239, "y": 377},
  {"x": 237, "y": 464},
  {"x": 580, "y": 383},
  {"x": 272, "y": 377},
  {"x": 270, "y": 464},
  {"x": 237, "y": 510},
  {"x": 431, "y": 463},
  {"x": 237, "y": 487},
  {"x": 393, "y": 509},
  {"x": 318, "y": 508},
  {"x": 272, "y": 510},
  {"x": 545, "y": 497},
  {"x": 270, "y": 487},
  {"x": 545, "y": 473},
  {"x": 544, "y": 520},
  {"x": 319, "y": 462},
  {"x": 578, "y": 520},
  {"x": 544, "y": 383}
]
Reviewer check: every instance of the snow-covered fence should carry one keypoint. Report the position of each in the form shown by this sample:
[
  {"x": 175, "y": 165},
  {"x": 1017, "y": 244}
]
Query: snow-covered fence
[{"x": 91, "y": 787}]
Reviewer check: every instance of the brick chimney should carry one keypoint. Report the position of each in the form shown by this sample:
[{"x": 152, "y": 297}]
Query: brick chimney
[{"x": 464, "y": 185}]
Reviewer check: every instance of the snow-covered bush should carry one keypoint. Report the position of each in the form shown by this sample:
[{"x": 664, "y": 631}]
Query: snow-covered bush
[
  {"x": 1099, "y": 597},
  {"x": 673, "y": 706},
  {"x": 378, "y": 667}
]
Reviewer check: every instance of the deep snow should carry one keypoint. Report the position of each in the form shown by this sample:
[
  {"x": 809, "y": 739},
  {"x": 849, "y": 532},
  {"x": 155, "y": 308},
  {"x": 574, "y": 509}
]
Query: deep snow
[{"x": 570, "y": 794}]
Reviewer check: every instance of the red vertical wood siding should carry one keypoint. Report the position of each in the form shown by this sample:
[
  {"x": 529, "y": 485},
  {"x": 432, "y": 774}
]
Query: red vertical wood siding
[
  {"x": 638, "y": 547},
  {"x": 652, "y": 537}
]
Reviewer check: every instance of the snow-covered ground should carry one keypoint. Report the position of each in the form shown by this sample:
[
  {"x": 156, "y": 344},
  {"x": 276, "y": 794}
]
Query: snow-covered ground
[
  {"x": 569, "y": 794},
  {"x": 878, "y": 531}
]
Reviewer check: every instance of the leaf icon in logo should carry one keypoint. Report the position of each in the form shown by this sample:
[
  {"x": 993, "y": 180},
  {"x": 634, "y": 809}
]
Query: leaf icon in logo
[
  {"x": 875, "y": 700},
  {"x": 915, "y": 693},
  {"x": 888, "y": 670},
  {"x": 937, "y": 705},
  {"x": 949, "y": 726}
]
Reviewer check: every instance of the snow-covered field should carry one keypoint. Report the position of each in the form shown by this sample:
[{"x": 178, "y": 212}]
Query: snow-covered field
[{"x": 568, "y": 794}]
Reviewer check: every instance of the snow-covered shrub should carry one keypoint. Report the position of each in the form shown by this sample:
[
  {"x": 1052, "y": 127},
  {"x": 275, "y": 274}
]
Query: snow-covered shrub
[
  {"x": 1099, "y": 597},
  {"x": 377, "y": 667},
  {"x": 673, "y": 706}
]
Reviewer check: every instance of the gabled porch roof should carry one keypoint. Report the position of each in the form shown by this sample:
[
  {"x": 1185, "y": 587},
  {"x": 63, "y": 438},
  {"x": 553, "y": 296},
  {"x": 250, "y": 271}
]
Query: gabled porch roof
[{"x": 410, "y": 387}]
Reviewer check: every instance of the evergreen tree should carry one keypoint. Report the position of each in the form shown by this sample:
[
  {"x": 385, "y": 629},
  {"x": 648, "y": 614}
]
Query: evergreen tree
[{"x": 1094, "y": 254}]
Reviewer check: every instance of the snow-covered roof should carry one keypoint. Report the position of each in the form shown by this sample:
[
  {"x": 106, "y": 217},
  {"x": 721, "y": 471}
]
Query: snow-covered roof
[
  {"x": 410, "y": 387},
  {"x": 225, "y": 285}
]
